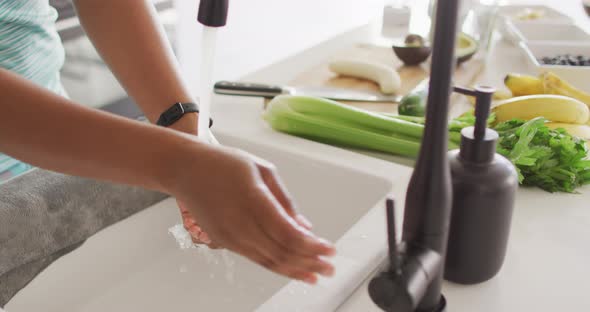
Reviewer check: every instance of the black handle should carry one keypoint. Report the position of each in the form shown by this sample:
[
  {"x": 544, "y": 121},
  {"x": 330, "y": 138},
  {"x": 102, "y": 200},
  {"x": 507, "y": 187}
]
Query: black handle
[
  {"x": 483, "y": 99},
  {"x": 213, "y": 13},
  {"x": 394, "y": 261},
  {"x": 247, "y": 89}
]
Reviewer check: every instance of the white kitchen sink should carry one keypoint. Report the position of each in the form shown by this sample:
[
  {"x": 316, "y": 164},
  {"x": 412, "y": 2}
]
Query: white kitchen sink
[{"x": 136, "y": 265}]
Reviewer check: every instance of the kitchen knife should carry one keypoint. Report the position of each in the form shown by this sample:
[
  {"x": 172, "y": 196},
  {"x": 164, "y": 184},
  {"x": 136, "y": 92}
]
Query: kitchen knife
[{"x": 270, "y": 91}]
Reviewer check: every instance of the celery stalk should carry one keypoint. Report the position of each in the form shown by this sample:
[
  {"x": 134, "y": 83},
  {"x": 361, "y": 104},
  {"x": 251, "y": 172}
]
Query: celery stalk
[
  {"x": 282, "y": 117},
  {"x": 334, "y": 111},
  {"x": 334, "y": 123},
  {"x": 414, "y": 119}
]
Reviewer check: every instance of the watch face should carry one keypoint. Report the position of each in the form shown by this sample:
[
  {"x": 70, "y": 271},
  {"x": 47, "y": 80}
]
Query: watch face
[
  {"x": 171, "y": 115},
  {"x": 176, "y": 111}
]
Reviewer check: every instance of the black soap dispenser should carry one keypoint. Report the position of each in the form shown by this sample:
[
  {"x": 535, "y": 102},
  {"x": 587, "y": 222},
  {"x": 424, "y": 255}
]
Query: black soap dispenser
[{"x": 484, "y": 186}]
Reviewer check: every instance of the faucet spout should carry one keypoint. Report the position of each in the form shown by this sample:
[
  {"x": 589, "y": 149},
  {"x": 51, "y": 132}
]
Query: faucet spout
[
  {"x": 411, "y": 270},
  {"x": 403, "y": 290}
]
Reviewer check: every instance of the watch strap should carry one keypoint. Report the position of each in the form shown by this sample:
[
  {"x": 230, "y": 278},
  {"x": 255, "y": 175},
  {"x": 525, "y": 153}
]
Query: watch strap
[{"x": 176, "y": 111}]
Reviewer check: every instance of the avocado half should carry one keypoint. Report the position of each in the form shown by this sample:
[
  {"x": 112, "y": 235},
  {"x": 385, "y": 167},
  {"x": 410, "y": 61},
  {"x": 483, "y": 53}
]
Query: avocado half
[
  {"x": 413, "y": 51},
  {"x": 466, "y": 47}
]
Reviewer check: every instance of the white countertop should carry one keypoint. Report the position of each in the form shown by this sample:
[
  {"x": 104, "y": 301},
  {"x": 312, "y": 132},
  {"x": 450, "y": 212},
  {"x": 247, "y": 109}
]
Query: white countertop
[{"x": 546, "y": 267}]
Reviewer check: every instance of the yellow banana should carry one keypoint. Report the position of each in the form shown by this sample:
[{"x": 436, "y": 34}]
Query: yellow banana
[
  {"x": 580, "y": 131},
  {"x": 523, "y": 84},
  {"x": 553, "y": 84},
  {"x": 555, "y": 108},
  {"x": 501, "y": 95}
]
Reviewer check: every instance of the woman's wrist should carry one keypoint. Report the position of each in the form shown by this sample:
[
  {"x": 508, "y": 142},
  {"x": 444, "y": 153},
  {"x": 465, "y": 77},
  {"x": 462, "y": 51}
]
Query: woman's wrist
[
  {"x": 187, "y": 124},
  {"x": 179, "y": 155}
]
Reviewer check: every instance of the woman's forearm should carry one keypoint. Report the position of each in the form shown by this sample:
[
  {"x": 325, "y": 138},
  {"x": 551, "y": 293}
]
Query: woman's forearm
[
  {"x": 52, "y": 132},
  {"x": 132, "y": 42}
]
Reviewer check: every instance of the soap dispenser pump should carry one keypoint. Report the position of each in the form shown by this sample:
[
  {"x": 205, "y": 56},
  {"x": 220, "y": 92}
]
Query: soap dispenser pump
[{"x": 484, "y": 186}]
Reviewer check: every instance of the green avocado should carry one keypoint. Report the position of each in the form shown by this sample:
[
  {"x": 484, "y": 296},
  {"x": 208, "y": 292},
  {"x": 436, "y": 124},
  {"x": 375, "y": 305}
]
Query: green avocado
[{"x": 465, "y": 48}]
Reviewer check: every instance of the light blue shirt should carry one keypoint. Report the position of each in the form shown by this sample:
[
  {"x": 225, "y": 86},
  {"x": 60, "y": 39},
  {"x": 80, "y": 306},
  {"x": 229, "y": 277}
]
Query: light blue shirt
[{"x": 30, "y": 47}]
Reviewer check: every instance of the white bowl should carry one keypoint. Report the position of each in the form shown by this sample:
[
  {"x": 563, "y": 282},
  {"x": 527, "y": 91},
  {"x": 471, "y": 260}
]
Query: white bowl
[
  {"x": 512, "y": 11},
  {"x": 547, "y": 31},
  {"x": 509, "y": 13},
  {"x": 578, "y": 76}
]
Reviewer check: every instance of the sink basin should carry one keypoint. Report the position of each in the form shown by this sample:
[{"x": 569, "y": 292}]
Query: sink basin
[{"x": 135, "y": 265}]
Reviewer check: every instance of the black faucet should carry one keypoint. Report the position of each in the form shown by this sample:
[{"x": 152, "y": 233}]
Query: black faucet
[
  {"x": 413, "y": 280},
  {"x": 213, "y": 13},
  {"x": 415, "y": 266}
]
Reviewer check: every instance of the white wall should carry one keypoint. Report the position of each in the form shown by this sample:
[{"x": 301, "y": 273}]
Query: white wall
[{"x": 260, "y": 32}]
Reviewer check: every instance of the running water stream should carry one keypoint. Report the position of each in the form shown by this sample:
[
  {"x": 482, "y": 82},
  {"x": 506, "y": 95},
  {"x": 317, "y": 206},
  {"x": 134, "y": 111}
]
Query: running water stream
[
  {"x": 182, "y": 236},
  {"x": 208, "y": 42}
]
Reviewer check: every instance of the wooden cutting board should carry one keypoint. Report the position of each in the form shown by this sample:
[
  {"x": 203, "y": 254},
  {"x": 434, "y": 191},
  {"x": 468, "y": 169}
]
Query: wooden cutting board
[{"x": 320, "y": 75}]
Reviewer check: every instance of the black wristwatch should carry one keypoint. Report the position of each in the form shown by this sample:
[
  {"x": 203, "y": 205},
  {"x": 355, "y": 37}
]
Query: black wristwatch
[{"x": 176, "y": 111}]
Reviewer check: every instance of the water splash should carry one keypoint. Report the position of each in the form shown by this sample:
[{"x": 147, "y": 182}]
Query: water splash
[
  {"x": 211, "y": 256},
  {"x": 182, "y": 236}
]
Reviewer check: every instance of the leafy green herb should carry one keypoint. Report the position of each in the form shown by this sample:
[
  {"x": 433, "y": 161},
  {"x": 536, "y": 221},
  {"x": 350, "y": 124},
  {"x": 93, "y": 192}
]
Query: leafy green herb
[{"x": 550, "y": 159}]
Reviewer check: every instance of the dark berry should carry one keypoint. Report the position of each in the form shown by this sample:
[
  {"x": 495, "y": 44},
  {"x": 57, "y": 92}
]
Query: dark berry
[{"x": 566, "y": 59}]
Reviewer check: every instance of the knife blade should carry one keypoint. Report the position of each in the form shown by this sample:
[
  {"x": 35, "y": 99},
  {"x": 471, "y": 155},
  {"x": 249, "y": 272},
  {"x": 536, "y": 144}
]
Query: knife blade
[{"x": 270, "y": 91}]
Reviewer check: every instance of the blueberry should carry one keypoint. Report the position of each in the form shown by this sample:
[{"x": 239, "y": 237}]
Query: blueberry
[{"x": 565, "y": 59}]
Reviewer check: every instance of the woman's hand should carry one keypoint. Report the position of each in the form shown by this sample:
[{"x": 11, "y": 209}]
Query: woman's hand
[
  {"x": 242, "y": 205},
  {"x": 231, "y": 196},
  {"x": 198, "y": 236},
  {"x": 274, "y": 184},
  {"x": 188, "y": 124}
]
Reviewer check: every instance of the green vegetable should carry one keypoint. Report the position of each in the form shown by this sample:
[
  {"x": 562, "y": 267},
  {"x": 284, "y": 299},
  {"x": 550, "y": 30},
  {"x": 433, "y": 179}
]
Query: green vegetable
[
  {"x": 414, "y": 119},
  {"x": 550, "y": 159},
  {"x": 414, "y": 103},
  {"x": 334, "y": 123},
  {"x": 455, "y": 125}
]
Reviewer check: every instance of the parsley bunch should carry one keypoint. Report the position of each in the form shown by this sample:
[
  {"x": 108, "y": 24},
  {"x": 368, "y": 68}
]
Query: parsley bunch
[{"x": 548, "y": 158}]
